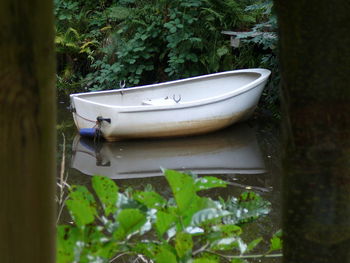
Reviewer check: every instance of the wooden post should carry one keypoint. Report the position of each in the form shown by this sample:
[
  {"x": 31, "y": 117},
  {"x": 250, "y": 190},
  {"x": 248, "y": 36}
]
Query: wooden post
[
  {"x": 315, "y": 66},
  {"x": 27, "y": 132}
]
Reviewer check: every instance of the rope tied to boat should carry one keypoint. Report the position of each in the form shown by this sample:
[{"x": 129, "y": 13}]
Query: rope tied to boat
[{"x": 85, "y": 119}]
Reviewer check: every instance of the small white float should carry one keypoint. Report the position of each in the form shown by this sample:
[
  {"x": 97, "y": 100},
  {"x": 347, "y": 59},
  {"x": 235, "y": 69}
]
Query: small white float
[{"x": 176, "y": 108}]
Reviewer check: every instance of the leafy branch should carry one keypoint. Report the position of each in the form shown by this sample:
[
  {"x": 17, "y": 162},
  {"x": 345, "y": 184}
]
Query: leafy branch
[{"x": 145, "y": 224}]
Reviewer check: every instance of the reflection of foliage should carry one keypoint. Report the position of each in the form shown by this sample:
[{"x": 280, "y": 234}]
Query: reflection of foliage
[{"x": 142, "y": 223}]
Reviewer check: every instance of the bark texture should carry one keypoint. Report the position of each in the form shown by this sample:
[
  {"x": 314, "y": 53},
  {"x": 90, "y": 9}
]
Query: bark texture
[
  {"x": 27, "y": 133},
  {"x": 315, "y": 65}
]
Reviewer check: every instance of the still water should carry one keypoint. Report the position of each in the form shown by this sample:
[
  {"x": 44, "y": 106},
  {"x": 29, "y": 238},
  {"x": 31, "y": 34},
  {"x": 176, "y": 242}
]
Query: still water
[{"x": 246, "y": 155}]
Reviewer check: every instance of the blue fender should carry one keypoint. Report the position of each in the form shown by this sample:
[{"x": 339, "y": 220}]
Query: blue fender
[{"x": 90, "y": 132}]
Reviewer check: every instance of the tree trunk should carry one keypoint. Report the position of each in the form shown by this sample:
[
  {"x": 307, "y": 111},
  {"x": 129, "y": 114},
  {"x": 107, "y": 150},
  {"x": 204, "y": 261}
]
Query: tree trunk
[
  {"x": 27, "y": 133},
  {"x": 315, "y": 64}
]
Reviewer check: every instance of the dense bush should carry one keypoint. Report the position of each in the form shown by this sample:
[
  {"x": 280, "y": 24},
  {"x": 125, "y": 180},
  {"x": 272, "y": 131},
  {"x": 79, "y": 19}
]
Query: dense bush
[{"x": 102, "y": 43}]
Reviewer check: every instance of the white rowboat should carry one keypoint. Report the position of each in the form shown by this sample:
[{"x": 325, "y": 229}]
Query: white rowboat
[{"x": 175, "y": 108}]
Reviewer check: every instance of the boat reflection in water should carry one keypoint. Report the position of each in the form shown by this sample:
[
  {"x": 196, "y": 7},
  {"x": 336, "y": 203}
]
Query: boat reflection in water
[{"x": 230, "y": 151}]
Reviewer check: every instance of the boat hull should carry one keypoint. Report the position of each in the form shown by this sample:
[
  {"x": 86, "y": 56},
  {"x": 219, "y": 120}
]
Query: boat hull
[{"x": 170, "y": 118}]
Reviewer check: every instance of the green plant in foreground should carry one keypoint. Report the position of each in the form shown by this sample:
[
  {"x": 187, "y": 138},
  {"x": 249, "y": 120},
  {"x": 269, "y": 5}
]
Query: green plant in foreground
[{"x": 185, "y": 228}]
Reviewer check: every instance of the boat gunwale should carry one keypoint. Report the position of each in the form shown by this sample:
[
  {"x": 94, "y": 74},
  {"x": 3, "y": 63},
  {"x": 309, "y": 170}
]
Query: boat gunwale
[{"x": 264, "y": 74}]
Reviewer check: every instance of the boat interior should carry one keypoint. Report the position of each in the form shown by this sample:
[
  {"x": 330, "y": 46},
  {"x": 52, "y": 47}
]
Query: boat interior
[{"x": 168, "y": 93}]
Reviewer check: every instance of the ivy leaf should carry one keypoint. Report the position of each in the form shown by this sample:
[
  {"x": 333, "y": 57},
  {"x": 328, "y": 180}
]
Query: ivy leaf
[
  {"x": 81, "y": 205},
  {"x": 107, "y": 192},
  {"x": 131, "y": 220},
  {"x": 183, "y": 244}
]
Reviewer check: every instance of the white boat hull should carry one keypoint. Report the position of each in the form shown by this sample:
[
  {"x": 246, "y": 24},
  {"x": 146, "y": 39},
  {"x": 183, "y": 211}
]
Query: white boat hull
[{"x": 206, "y": 103}]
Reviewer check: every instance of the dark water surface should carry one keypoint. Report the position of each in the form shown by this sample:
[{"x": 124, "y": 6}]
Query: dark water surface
[{"x": 246, "y": 155}]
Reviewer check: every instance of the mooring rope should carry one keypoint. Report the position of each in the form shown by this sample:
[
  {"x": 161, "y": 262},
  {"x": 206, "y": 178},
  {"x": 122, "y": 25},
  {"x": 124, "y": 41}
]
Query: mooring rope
[
  {"x": 85, "y": 118},
  {"x": 97, "y": 127}
]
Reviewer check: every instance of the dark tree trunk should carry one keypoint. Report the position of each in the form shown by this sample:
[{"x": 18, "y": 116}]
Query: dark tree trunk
[
  {"x": 315, "y": 65},
  {"x": 27, "y": 132}
]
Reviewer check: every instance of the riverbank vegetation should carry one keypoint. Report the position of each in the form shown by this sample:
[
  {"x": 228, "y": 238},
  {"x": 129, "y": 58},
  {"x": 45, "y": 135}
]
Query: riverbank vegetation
[
  {"x": 99, "y": 44},
  {"x": 110, "y": 225}
]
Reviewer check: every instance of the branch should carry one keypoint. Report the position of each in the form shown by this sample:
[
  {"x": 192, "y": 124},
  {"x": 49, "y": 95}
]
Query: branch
[{"x": 228, "y": 257}]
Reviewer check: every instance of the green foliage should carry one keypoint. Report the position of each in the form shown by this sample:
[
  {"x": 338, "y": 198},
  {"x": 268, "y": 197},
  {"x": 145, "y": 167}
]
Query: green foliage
[
  {"x": 185, "y": 228},
  {"x": 166, "y": 38},
  {"x": 101, "y": 43},
  {"x": 107, "y": 192},
  {"x": 264, "y": 35},
  {"x": 82, "y": 206},
  {"x": 276, "y": 241}
]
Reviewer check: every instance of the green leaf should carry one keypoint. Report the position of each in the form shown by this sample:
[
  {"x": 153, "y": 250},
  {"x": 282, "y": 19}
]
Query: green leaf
[
  {"x": 279, "y": 233},
  {"x": 67, "y": 237},
  {"x": 119, "y": 234},
  {"x": 150, "y": 199},
  {"x": 145, "y": 248},
  {"x": 275, "y": 243},
  {"x": 81, "y": 205},
  {"x": 253, "y": 244},
  {"x": 227, "y": 243},
  {"x": 183, "y": 244},
  {"x": 164, "y": 221},
  {"x": 118, "y": 12},
  {"x": 208, "y": 214},
  {"x": 229, "y": 230},
  {"x": 248, "y": 207},
  {"x": 222, "y": 51},
  {"x": 131, "y": 220},
  {"x": 99, "y": 246},
  {"x": 238, "y": 260},
  {"x": 165, "y": 256},
  {"x": 183, "y": 188},
  {"x": 139, "y": 71},
  {"x": 205, "y": 260},
  {"x": 208, "y": 182},
  {"x": 107, "y": 192}
]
